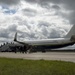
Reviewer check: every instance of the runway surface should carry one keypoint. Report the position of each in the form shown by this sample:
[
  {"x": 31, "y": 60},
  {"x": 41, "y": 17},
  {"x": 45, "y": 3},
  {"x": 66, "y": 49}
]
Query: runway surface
[{"x": 63, "y": 56}]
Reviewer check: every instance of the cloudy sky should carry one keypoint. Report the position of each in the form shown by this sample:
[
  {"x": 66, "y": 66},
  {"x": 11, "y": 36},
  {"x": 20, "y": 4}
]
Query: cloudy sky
[{"x": 35, "y": 19}]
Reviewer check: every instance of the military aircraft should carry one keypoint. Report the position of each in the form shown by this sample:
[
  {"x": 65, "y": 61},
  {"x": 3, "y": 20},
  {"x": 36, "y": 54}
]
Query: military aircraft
[{"x": 44, "y": 44}]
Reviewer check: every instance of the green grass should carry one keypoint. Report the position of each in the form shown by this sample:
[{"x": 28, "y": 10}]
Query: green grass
[{"x": 35, "y": 67}]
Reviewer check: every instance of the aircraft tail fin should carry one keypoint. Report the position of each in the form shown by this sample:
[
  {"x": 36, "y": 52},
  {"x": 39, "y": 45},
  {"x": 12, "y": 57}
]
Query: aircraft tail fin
[
  {"x": 71, "y": 32},
  {"x": 15, "y": 38}
]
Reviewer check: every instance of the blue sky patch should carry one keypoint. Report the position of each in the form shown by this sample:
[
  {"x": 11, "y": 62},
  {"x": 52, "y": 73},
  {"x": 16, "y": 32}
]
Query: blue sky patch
[{"x": 8, "y": 11}]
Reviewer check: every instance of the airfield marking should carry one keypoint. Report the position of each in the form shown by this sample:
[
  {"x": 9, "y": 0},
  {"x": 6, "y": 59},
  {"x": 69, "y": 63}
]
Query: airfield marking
[{"x": 63, "y": 56}]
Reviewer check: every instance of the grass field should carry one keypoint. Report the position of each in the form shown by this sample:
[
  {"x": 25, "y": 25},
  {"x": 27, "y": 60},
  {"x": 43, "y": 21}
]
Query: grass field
[{"x": 35, "y": 67}]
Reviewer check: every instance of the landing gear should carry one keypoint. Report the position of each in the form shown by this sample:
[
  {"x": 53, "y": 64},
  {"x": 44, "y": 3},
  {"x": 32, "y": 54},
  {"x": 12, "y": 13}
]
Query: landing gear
[{"x": 43, "y": 51}]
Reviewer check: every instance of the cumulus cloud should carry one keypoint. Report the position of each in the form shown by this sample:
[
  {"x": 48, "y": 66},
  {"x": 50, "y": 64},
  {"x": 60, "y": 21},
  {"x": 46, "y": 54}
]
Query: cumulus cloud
[
  {"x": 6, "y": 32},
  {"x": 66, "y": 7},
  {"x": 35, "y": 19},
  {"x": 29, "y": 12},
  {"x": 8, "y": 2}
]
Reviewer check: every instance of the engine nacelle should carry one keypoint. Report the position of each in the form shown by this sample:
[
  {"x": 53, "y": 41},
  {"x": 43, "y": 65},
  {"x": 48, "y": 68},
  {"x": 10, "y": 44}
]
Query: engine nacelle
[{"x": 72, "y": 38}]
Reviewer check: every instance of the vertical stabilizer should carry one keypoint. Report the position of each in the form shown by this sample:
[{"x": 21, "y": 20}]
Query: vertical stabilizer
[
  {"x": 71, "y": 32},
  {"x": 15, "y": 38}
]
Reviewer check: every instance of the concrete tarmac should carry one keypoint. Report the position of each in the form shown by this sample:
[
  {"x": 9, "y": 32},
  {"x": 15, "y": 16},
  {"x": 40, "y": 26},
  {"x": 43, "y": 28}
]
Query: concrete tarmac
[{"x": 62, "y": 56}]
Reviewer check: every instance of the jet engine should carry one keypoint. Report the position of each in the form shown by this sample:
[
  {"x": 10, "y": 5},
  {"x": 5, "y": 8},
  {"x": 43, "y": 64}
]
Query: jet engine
[{"x": 73, "y": 38}]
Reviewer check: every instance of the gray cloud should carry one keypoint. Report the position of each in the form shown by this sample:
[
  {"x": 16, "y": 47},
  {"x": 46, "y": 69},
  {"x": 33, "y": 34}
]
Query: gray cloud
[
  {"x": 31, "y": 1},
  {"x": 12, "y": 28},
  {"x": 55, "y": 33},
  {"x": 66, "y": 4},
  {"x": 47, "y": 30},
  {"x": 9, "y": 2},
  {"x": 42, "y": 1},
  {"x": 47, "y": 3},
  {"x": 69, "y": 4},
  {"x": 56, "y": 7},
  {"x": 72, "y": 18},
  {"x": 42, "y": 29},
  {"x": 43, "y": 23},
  {"x": 30, "y": 35},
  {"x": 29, "y": 12},
  {"x": 6, "y": 34}
]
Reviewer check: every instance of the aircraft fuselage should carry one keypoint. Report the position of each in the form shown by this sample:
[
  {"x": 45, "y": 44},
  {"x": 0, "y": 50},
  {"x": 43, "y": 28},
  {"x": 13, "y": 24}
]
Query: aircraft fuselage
[{"x": 50, "y": 44}]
